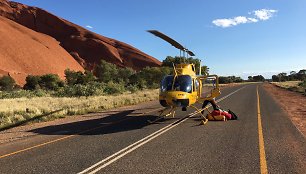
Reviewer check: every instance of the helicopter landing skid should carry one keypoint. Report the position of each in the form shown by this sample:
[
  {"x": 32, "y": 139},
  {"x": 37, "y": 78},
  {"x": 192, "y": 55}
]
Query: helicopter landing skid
[
  {"x": 172, "y": 112},
  {"x": 160, "y": 117},
  {"x": 205, "y": 120}
]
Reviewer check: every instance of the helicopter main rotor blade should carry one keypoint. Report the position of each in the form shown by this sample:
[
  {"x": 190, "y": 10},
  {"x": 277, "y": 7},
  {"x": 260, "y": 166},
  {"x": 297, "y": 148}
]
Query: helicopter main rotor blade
[
  {"x": 190, "y": 53},
  {"x": 170, "y": 40}
]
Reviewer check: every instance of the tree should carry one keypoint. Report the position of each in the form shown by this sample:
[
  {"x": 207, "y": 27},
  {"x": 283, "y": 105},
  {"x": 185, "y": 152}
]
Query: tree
[
  {"x": 223, "y": 80},
  {"x": 283, "y": 76},
  {"x": 292, "y": 76},
  {"x": 292, "y": 72},
  {"x": 50, "y": 81},
  {"x": 238, "y": 80},
  {"x": 149, "y": 77},
  {"x": 230, "y": 79},
  {"x": 87, "y": 77},
  {"x": 204, "y": 70},
  {"x": 303, "y": 71},
  {"x": 124, "y": 75},
  {"x": 7, "y": 83},
  {"x": 258, "y": 78},
  {"x": 275, "y": 78},
  {"x": 169, "y": 61},
  {"x": 250, "y": 78},
  {"x": 106, "y": 72},
  {"x": 73, "y": 77},
  {"x": 32, "y": 82},
  {"x": 301, "y": 75}
]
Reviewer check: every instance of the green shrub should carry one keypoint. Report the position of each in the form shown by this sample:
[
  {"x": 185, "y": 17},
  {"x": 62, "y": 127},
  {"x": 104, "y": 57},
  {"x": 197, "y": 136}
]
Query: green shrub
[
  {"x": 73, "y": 77},
  {"x": 88, "y": 77},
  {"x": 32, "y": 82},
  {"x": 24, "y": 93},
  {"x": 50, "y": 81},
  {"x": 47, "y": 81},
  {"x": 132, "y": 88},
  {"x": 106, "y": 72},
  {"x": 149, "y": 77},
  {"x": 78, "y": 90},
  {"x": 114, "y": 88},
  {"x": 303, "y": 84},
  {"x": 169, "y": 61},
  {"x": 7, "y": 83},
  {"x": 124, "y": 75}
]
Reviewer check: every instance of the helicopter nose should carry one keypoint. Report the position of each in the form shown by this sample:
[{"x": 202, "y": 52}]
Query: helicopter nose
[
  {"x": 181, "y": 102},
  {"x": 177, "y": 99}
]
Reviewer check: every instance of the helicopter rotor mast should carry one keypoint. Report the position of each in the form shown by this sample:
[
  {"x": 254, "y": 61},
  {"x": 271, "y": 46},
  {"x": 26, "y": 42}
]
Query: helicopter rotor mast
[{"x": 172, "y": 42}]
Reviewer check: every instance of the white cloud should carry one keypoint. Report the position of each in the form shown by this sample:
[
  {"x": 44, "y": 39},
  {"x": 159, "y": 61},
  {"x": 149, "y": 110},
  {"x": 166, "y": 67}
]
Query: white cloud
[
  {"x": 240, "y": 19},
  {"x": 233, "y": 21},
  {"x": 88, "y": 26},
  {"x": 224, "y": 22},
  {"x": 263, "y": 14},
  {"x": 253, "y": 19}
]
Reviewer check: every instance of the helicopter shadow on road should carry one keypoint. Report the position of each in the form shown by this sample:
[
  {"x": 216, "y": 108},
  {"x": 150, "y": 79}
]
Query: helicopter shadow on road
[
  {"x": 118, "y": 122},
  {"x": 115, "y": 112}
]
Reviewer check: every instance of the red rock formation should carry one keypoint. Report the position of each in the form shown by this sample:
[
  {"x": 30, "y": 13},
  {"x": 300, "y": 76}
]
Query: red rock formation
[
  {"x": 86, "y": 47},
  {"x": 24, "y": 51}
]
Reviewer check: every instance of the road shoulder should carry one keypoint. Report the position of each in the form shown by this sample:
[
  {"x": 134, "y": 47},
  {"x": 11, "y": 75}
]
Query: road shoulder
[{"x": 293, "y": 103}]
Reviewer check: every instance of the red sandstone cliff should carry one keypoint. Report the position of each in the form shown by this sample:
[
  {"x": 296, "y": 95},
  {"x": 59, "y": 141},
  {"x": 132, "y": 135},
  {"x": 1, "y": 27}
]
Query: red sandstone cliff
[
  {"x": 24, "y": 51},
  {"x": 86, "y": 47}
]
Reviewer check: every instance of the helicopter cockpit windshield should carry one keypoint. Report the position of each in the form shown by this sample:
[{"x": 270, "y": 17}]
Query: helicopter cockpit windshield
[{"x": 181, "y": 83}]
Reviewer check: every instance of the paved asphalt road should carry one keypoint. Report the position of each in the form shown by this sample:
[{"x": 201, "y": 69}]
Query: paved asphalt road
[{"x": 126, "y": 143}]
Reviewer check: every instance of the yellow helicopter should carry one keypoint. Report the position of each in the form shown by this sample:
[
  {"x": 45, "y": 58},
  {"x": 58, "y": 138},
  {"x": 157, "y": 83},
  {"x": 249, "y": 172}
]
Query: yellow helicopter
[{"x": 183, "y": 89}]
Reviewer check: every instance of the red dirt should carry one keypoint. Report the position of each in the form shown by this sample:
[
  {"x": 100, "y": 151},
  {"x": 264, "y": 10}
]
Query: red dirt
[
  {"x": 24, "y": 51},
  {"x": 293, "y": 103},
  {"x": 87, "y": 48}
]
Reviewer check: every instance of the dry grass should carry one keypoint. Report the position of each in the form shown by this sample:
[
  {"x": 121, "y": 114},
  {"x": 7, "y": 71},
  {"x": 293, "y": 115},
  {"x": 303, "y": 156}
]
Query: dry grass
[
  {"x": 291, "y": 85},
  {"x": 211, "y": 85},
  {"x": 287, "y": 85},
  {"x": 230, "y": 84},
  {"x": 14, "y": 111}
]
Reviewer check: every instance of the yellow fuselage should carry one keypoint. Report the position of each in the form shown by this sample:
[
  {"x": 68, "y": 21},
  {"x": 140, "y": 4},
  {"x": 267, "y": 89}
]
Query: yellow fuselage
[{"x": 177, "y": 97}]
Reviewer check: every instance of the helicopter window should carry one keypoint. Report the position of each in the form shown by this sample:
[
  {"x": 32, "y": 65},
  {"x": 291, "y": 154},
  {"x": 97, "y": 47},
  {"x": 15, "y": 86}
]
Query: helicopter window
[
  {"x": 196, "y": 84},
  {"x": 166, "y": 83},
  {"x": 193, "y": 69},
  {"x": 181, "y": 83}
]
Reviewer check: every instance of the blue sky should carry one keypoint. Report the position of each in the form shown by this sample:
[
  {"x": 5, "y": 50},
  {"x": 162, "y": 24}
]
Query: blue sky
[{"x": 237, "y": 37}]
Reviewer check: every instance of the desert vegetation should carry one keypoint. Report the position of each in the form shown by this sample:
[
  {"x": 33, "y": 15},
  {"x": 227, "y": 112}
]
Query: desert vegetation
[
  {"x": 297, "y": 86},
  {"x": 295, "y": 81},
  {"x": 23, "y": 110},
  {"x": 108, "y": 80},
  {"x": 46, "y": 97},
  {"x": 293, "y": 76},
  {"x": 229, "y": 79}
]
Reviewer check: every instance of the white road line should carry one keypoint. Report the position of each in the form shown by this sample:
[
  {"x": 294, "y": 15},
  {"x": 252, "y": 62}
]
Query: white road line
[{"x": 116, "y": 156}]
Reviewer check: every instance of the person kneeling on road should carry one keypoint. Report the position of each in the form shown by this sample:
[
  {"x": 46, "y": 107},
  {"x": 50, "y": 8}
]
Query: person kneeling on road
[{"x": 229, "y": 115}]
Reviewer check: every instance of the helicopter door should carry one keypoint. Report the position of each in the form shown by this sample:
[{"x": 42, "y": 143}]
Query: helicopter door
[
  {"x": 193, "y": 68},
  {"x": 196, "y": 85},
  {"x": 215, "y": 91}
]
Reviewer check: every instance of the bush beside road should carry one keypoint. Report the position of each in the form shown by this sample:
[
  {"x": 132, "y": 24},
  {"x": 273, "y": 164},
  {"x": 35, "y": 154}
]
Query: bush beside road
[
  {"x": 23, "y": 110},
  {"x": 296, "y": 86}
]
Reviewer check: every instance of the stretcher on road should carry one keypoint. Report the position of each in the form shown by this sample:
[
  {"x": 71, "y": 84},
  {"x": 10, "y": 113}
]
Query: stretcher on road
[{"x": 220, "y": 115}]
